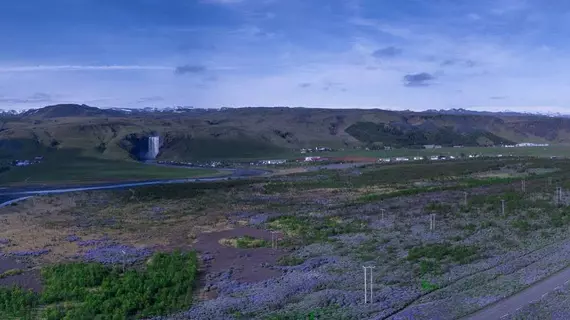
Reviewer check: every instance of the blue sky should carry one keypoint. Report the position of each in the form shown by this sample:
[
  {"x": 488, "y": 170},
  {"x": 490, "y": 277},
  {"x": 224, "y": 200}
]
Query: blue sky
[{"x": 405, "y": 54}]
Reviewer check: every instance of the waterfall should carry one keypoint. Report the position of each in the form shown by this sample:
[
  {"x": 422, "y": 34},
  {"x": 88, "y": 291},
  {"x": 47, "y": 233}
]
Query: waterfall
[{"x": 153, "y": 147}]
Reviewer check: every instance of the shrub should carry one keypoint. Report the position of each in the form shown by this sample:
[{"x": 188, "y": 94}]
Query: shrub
[
  {"x": 245, "y": 242},
  {"x": 290, "y": 261},
  {"x": 96, "y": 291},
  {"x": 17, "y": 303},
  {"x": 438, "y": 252},
  {"x": 522, "y": 225},
  {"x": 428, "y": 286}
]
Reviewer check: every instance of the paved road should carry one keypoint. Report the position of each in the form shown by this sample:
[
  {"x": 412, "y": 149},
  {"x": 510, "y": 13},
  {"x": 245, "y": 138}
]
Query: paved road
[
  {"x": 511, "y": 304},
  {"x": 15, "y": 194}
]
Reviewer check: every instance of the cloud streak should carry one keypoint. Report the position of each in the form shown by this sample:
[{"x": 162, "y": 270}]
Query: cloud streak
[
  {"x": 388, "y": 52},
  {"x": 81, "y": 68},
  {"x": 192, "y": 69}
]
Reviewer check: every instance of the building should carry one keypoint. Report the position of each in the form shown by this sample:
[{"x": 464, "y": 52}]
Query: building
[
  {"x": 273, "y": 161},
  {"x": 529, "y": 144}
]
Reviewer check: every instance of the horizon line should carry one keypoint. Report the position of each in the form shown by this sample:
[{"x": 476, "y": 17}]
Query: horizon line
[{"x": 379, "y": 108}]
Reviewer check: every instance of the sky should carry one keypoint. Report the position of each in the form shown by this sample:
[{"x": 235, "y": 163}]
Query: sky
[{"x": 406, "y": 54}]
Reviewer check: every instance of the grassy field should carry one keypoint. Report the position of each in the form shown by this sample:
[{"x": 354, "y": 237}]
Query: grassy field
[
  {"x": 94, "y": 170},
  {"x": 292, "y": 246}
]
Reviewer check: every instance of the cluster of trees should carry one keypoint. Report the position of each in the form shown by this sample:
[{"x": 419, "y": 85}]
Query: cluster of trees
[
  {"x": 94, "y": 291},
  {"x": 379, "y": 134}
]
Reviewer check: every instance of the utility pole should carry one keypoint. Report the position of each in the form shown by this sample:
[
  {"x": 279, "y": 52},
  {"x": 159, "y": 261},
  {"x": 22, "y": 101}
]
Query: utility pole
[
  {"x": 273, "y": 240},
  {"x": 124, "y": 260},
  {"x": 503, "y": 207},
  {"x": 432, "y": 221},
  {"x": 383, "y": 210},
  {"x": 368, "y": 284},
  {"x": 558, "y": 195}
]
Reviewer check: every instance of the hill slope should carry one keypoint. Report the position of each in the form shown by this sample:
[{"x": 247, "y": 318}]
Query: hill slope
[{"x": 250, "y": 132}]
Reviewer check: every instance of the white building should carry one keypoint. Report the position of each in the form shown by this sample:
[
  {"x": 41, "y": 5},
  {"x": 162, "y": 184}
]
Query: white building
[
  {"x": 529, "y": 144},
  {"x": 273, "y": 161}
]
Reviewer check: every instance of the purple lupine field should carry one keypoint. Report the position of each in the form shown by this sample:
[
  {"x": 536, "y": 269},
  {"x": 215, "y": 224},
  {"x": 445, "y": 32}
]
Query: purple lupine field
[{"x": 287, "y": 246}]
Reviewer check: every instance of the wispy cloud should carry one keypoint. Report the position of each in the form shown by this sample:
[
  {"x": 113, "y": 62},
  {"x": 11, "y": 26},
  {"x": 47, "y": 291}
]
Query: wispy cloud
[
  {"x": 151, "y": 99},
  {"x": 38, "y": 97},
  {"x": 418, "y": 79},
  {"x": 223, "y": 1},
  {"x": 189, "y": 69},
  {"x": 387, "y": 52},
  {"x": 80, "y": 68}
]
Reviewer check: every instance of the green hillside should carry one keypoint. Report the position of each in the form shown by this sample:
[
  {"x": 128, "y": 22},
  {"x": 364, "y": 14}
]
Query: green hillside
[{"x": 257, "y": 132}]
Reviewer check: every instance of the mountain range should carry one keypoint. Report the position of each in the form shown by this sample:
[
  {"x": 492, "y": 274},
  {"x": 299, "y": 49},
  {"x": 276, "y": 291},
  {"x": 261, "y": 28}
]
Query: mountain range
[{"x": 191, "y": 133}]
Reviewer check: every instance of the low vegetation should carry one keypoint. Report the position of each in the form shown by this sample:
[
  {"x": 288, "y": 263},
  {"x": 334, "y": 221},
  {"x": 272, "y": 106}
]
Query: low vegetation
[
  {"x": 94, "y": 291},
  {"x": 245, "y": 242},
  {"x": 329, "y": 223}
]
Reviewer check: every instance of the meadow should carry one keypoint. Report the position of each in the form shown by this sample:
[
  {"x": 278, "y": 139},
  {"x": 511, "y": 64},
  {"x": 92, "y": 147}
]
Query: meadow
[
  {"x": 85, "y": 170},
  {"x": 292, "y": 246}
]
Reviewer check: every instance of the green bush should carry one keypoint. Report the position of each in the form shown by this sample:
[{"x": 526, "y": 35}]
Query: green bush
[
  {"x": 93, "y": 291},
  {"x": 290, "y": 261},
  {"x": 438, "y": 252},
  {"x": 428, "y": 286},
  {"x": 523, "y": 225},
  {"x": 311, "y": 229},
  {"x": 17, "y": 303}
]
